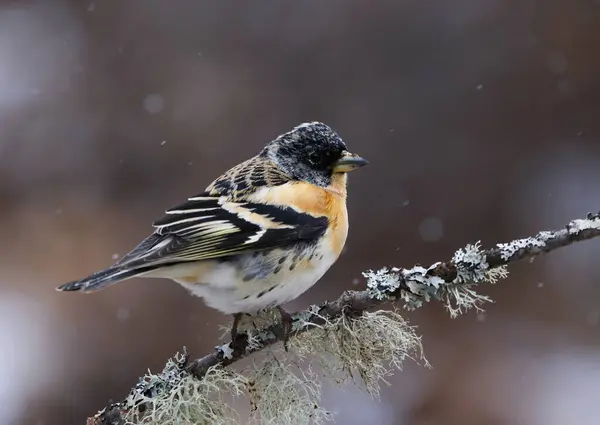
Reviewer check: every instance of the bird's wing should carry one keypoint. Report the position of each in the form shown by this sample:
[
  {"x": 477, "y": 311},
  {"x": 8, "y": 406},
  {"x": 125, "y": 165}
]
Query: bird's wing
[
  {"x": 222, "y": 222},
  {"x": 206, "y": 227}
]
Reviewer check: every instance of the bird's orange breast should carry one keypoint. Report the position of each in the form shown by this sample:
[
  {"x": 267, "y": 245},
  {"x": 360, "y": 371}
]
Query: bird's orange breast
[{"x": 318, "y": 201}]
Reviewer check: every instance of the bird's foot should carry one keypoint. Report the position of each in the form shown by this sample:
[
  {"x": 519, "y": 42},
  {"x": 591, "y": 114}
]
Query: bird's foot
[
  {"x": 286, "y": 324},
  {"x": 238, "y": 339},
  {"x": 237, "y": 317},
  {"x": 236, "y": 321}
]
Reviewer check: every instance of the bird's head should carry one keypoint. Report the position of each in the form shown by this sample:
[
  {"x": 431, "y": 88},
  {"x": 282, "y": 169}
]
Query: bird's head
[{"x": 312, "y": 152}]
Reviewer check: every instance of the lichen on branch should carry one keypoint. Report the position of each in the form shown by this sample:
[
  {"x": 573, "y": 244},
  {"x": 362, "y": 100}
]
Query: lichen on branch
[{"x": 350, "y": 343}]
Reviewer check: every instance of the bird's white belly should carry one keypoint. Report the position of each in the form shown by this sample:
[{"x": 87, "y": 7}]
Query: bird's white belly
[{"x": 224, "y": 288}]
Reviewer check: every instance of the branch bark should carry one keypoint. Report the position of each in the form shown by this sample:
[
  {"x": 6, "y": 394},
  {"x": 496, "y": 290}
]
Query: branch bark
[{"x": 469, "y": 266}]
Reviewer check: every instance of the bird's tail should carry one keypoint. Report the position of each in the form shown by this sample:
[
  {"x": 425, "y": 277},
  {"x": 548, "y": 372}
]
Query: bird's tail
[{"x": 102, "y": 278}]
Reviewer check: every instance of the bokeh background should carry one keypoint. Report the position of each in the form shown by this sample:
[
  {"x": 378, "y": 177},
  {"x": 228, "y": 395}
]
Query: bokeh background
[{"x": 480, "y": 118}]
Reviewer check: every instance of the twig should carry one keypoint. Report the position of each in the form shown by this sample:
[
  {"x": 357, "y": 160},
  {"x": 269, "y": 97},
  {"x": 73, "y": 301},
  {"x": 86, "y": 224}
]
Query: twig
[{"x": 449, "y": 282}]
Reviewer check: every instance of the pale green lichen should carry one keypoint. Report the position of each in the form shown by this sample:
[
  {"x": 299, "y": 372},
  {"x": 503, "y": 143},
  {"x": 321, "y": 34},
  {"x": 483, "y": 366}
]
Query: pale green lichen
[
  {"x": 592, "y": 222},
  {"x": 174, "y": 397},
  {"x": 384, "y": 282},
  {"x": 366, "y": 349},
  {"x": 459, "y": 299},
  {"x": 370, "y": 347},
  {"x": 471, "y": 264},
  {"x": 472, "y": 269},
  {"x": 226, "y": 350},
  {"x": 302, "y": 319},
  {"x": 422, "y": 285},
  {"x": 494, "y": 275},
  {"x": 507, "y": 250},
  {"x": 283, "y": 393}
]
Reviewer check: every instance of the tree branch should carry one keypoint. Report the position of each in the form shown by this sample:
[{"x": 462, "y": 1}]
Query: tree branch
[{"x": 450, "y": 282}]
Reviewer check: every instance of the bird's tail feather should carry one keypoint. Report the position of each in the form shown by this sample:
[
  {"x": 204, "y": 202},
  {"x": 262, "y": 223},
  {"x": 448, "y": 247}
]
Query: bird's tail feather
[{"x": 103, "y": 278}]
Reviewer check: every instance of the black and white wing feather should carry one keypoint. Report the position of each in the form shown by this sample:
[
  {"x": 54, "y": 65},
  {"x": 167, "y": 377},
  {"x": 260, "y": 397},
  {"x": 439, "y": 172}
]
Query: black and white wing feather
[
  {"x": 206, "y": 228},
  {"x": 220, "y": 222}
]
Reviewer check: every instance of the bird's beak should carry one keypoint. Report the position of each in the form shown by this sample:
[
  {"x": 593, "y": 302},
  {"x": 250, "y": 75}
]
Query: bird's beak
[{"x": 349, "y": 162}]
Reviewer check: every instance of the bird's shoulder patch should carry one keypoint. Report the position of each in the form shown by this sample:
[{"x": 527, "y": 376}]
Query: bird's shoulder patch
[{"x": 246, "y": 178}]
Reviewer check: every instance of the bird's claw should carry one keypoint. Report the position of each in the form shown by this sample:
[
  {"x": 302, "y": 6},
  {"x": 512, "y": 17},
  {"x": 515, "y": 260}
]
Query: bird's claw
[{"x": 286, "y": 324}]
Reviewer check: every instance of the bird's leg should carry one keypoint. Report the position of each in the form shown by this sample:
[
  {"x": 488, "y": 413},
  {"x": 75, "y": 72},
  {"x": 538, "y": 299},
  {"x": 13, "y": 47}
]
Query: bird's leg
[
  {"x": 236, "y": 321},
  {"x": 286, "y": 323}
]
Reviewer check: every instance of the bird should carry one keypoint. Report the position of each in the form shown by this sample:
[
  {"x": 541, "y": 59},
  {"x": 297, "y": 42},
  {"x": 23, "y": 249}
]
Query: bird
[{"x": 258, "y": 236}]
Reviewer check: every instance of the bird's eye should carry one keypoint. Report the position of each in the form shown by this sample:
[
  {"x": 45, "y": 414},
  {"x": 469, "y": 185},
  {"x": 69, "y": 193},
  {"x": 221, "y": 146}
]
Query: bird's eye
[{"x": 315, "y": 158}]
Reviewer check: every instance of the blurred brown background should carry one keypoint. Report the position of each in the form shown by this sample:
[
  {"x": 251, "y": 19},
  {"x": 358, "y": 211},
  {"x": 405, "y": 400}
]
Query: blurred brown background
[{"x": 480, "y": 118}]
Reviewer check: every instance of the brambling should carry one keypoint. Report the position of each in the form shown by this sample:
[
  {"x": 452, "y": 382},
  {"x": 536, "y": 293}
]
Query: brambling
[{"x": 259, "y": 236}]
